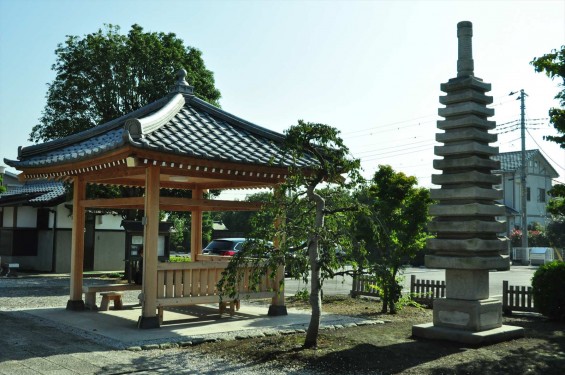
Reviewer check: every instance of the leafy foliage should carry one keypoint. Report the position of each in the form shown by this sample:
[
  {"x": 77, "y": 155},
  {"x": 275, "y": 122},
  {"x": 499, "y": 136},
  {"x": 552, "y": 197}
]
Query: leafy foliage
[
  {"x": 553, "y": 65},
  {"x": 2, "y": 187},
  {"x": 556, "y": 205},
  {"x": 555, "y": 233},
  {"x": 105, "y": 75},
  {"x": 392, "y": 228},
  {"x": 307, "y": 216},
  {"x": 548, "y": 284},
  {"x": 240, "y": 221}
]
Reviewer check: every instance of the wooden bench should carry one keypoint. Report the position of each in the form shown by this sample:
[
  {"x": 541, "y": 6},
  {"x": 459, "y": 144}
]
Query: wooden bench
[
  {"x": 111, "y": 296},
  {"x": 9, "y": 269},
  {"x": 90, "y": 292},
  {"x": 223, "y": 306}
]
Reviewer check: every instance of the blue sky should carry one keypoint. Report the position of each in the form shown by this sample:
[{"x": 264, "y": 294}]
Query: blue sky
[{"x": 370, "y": 68}]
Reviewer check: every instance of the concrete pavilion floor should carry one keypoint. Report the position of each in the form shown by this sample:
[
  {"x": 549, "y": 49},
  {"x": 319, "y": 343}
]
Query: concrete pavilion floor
[{"x": 118, "y": 328}]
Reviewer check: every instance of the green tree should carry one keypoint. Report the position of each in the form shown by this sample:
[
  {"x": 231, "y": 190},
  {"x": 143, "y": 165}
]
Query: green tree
[
  {"x": 313, "y": 211},
  {"x": 240, "y": 221},
  {"x": 393, "y": 228},
  {"x": 2, "y": 187},
  {"x": 553, "y": 65},
  {"x": 556, "y": 204},
  {"x": 105, "y": 75}
]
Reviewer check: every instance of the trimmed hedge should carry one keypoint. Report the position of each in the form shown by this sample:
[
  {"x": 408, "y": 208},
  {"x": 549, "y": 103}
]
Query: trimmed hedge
[{"x": 548, "y": 284}]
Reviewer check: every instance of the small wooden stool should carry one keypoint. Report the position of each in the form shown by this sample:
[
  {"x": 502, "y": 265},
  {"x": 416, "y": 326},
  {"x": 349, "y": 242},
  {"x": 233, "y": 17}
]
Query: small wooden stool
[{"x": 111, "y": 296}]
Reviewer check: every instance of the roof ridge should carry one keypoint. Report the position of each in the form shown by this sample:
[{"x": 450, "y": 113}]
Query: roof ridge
[
  {"x": 237, "y": 121},
  {"x": 85, "y": 134}
]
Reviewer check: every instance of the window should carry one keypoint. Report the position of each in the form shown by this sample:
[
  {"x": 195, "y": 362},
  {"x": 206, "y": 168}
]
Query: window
[
  {"x": 541, "y": 195},
  {"x": 528, "y": 194}
]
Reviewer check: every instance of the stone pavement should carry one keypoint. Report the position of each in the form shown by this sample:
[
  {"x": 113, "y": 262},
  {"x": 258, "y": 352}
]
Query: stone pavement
[{"x": 38, "y": 339}]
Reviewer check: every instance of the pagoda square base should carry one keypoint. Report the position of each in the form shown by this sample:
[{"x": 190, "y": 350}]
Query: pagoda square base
[
  {"x": 491, "y": 336},
  {"x": 477, "y": 315}
]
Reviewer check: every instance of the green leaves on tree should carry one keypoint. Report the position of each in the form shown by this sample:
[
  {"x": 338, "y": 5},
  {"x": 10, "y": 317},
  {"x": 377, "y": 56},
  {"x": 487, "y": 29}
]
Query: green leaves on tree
[{"x": 104, "y": 75}]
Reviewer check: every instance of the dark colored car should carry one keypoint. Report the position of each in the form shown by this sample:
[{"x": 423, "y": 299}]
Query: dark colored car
[{"x": 224, "y": 246}]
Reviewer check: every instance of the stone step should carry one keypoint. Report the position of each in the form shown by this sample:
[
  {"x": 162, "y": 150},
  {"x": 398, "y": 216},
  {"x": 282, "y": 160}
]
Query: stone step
[
  {"x": 467, "y": 226},
  {"x": 468, "y": 108},
  {"x": 459, "y": 84},
  {"x": 467, "y": 162},
  {"x": 470, "y": 209},
  {"x": 466, "y": 178},
  {"x": 468, "y": 95},
  {"x": 474, "y": 245},
  {"x": 467, "y": 148},
  {"x": 471, "y": 193},
  {"x": 466, "y": 134}
]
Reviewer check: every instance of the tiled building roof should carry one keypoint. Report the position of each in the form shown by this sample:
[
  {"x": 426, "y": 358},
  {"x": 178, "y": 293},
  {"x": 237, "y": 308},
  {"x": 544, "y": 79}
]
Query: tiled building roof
[
  {"x": 178, "y": 124},
  {"x": 37, "y": 193},
  {"x": 511, "y": 161}
]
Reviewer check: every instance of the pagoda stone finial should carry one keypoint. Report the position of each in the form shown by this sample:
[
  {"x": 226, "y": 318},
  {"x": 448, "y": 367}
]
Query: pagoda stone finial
[
  {"x": 465, "y": 64},
  {"x": 181, "y": 86}
]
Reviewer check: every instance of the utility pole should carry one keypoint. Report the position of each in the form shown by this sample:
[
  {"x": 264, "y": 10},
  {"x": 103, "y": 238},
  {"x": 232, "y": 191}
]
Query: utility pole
[
  {"x": 523, "y": 170},
  {"x": 524, "y": 203}
]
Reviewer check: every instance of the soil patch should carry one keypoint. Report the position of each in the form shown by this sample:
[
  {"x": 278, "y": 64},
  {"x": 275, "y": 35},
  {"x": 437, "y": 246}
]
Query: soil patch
[{"x": 389, "y": 348}]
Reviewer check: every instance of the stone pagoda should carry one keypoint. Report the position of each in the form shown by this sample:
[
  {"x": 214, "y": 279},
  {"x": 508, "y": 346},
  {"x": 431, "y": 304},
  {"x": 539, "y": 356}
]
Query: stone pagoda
[{"x": 467, "y": 244}]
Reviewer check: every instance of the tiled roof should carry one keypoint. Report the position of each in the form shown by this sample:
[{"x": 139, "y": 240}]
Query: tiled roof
[
  {"x": 511, "y": 161},
  {"x": 35, "y": 193},
  {"x": 180, "y": 124}
]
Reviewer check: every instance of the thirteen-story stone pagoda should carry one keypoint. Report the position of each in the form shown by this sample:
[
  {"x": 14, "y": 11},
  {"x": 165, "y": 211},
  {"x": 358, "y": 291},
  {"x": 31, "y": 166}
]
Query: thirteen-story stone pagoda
[{"x": 467, "y": 244}]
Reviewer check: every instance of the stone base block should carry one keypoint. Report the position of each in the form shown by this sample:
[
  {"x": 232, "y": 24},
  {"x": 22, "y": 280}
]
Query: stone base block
[
  {"x": 491, "y": 336},
  {"x": 148, "y": 322},
  {"x": 75, "y": 305},
  {"x": 277, "y": 310},
  {"x": 480, "y": 315},
  {"x": 466, "y": 284},
  {"x": 468, "y": 263}
]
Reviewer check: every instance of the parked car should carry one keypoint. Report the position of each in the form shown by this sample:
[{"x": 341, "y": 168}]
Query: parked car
[{"x": 224, "y": 246}]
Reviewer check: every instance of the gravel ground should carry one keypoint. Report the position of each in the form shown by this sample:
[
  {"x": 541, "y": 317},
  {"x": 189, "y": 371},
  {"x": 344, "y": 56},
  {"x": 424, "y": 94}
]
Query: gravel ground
[{"x": 31, "y": 346}]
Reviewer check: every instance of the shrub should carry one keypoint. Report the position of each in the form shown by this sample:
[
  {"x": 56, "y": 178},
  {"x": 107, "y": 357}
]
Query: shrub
[
  {"x": 548, "y": 286},
  {"x": 179, "y": 259}
]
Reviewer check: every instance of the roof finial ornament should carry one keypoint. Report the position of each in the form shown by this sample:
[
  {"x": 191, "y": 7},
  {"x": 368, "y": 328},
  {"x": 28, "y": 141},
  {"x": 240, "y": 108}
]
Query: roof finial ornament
[
  {"x": 181, "y": 86},
  {"x": 465, "y": 64}
]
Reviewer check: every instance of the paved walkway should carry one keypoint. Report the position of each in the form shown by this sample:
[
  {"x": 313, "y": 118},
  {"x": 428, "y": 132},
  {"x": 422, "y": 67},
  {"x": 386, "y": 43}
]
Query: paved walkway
[{"x": 38, "y": 336}]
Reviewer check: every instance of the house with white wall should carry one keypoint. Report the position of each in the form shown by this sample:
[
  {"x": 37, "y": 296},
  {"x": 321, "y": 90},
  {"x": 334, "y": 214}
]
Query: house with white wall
[
  {"x": 539, "y": 177},
  {"x": 35, "y": 230}
]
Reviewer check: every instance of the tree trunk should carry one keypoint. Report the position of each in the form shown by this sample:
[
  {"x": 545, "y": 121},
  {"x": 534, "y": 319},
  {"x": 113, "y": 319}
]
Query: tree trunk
[
  {"x": 315, "y": 279},
  {"x": 393, "y": 295}
]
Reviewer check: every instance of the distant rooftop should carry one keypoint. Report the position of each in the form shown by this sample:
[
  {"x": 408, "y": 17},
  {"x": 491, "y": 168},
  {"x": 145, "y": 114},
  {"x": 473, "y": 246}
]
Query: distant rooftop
[
  {"x": 34, "y": 193},
  {"x": 512, "y": 161}
]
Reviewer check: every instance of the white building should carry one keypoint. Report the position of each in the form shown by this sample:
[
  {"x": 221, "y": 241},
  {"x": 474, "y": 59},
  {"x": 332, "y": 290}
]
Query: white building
[
  {"x": 539, "y": 176},
  {"x": 35, "y": 230}
]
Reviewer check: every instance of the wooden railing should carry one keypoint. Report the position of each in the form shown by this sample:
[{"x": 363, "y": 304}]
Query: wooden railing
[
  {"x": 516, "y": 298},
  {"x": 425, "y": 291},
  {"x": 196, "y": 282},
  {"x": 363, "y": 285}
]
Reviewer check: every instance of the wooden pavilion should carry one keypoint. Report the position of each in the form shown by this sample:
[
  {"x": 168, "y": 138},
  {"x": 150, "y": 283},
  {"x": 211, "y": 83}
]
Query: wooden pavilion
[{"x": 177, "y": 142}]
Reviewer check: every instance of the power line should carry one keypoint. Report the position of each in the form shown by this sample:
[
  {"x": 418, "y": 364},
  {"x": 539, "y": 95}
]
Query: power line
[
  {"x": 389, "y": 124},
  {"x": 545, "y": 153}
]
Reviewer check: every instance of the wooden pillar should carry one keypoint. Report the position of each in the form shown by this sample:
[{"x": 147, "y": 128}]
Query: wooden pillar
[
  {"x": 149, "y": 317},
  {"x": 278, "y": 307},
  {"x": 77, "y": 246},
  {"x": 196, "y": 226}
]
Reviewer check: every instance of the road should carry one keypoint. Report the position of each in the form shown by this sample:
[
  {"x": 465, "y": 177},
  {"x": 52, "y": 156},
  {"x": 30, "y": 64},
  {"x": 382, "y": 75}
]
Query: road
[{"x": 517, "y": 275}]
